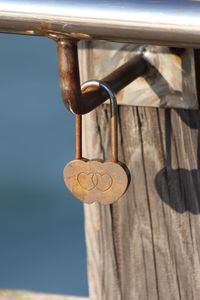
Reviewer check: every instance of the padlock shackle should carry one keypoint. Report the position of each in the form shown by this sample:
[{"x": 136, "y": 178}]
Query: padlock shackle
[
  {"x": 114, "y": 123},
  {"x": 78, "y": 131}
]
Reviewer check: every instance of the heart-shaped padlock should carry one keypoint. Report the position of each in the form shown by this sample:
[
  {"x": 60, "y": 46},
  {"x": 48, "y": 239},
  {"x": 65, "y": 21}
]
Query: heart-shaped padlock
[{"x": 93, "y": 180}]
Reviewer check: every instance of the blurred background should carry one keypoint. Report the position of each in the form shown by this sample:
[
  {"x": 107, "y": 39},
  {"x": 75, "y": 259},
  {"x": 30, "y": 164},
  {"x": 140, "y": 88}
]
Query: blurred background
[{"x": 41, "y": 226}]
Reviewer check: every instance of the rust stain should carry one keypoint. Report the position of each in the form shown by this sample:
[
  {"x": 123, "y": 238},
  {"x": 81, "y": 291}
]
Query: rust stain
[
  {"x": 70, "y": 82},
  {"x": 176, "y": 59},
  {"x": 120, "y": 95},
  {"x": 45, "y": 28}
]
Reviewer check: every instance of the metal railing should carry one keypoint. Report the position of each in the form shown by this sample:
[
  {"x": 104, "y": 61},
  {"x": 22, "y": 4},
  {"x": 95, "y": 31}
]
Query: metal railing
[
  {"x": 171, "y": 22},
  {"x": 164, "y": 22}
]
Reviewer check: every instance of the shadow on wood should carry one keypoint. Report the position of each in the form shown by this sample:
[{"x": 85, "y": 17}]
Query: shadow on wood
[{"x": 180, "y": 188}]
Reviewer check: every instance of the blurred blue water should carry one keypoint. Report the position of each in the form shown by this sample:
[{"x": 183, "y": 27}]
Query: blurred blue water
[{"x": 41, "y": 225}]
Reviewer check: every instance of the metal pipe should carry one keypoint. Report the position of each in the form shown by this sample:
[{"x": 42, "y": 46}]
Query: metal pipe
[
  {"x": 163, "y": 22},
  {"x": 81, "y": 103}
]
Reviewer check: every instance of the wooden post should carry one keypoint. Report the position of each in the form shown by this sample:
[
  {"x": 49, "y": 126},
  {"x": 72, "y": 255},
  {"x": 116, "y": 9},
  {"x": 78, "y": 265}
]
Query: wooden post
[{"x": 146, "y": 246}]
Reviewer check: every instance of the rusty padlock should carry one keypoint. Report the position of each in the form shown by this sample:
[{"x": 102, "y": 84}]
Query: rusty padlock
[{"x": 96, "y": 180}]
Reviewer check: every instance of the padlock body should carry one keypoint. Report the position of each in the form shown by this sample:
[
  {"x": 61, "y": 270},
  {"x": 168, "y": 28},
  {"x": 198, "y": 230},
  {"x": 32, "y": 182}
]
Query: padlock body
[{"x": 92, "y": 180}]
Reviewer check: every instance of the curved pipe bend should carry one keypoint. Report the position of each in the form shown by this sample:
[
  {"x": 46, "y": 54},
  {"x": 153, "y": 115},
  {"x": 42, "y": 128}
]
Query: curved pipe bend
[{"x": 82, "y": 103}]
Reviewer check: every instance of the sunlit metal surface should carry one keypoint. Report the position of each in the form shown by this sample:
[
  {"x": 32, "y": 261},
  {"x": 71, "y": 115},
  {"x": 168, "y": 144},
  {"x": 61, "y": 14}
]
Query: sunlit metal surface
[
  {"x": 154, "y": 22},
  {"x": 83, "y": 102},
  {"x": 169, "y": 81}
]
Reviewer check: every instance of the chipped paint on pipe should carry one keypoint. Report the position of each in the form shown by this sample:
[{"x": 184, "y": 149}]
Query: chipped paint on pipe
[{"x": 151, "y": 22}]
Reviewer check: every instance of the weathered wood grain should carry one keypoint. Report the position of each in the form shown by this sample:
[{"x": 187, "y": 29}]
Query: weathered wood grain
[
  {"x": 147, "y": 245},
  {"x": 23, "y": 295}
]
